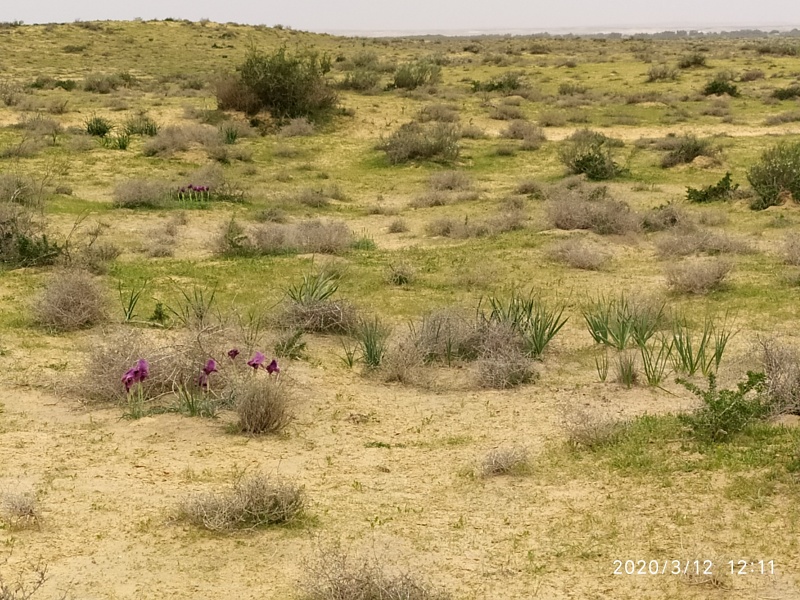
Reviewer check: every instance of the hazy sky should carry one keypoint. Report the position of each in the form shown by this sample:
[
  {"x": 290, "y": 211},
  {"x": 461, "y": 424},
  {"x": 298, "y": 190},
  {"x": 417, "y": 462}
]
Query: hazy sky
[{"x": 427, "y": 15}]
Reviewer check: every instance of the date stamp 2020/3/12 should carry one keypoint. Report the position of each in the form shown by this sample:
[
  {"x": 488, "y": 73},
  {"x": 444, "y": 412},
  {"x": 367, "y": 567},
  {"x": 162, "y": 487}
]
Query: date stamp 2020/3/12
[{"x": 694, "y": 567}]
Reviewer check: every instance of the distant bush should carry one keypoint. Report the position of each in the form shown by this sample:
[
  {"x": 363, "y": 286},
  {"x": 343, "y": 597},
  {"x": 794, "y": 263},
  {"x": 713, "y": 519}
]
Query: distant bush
[
  {"x": 695, "y": 59},
  {"x": 787, "y": 93},
  {"x": 718, "y": 87},
  {"x": 579, "y": 254},
  {"x": 412, "y": 75},
  {"x": 450, "y": 180},
  {"x": 776, "y": 174},
  {"x": 584, "y": 207},
  {"x": 661, "y": 73},
  {"x": 684, "y": 149},
  {"x": 299, "y": 127},
  {"x": 722, "y": 190},
  {"x": 589, "y": 152},
  {"x": 361, "y": 80},
  {"x": 778, "y": 48},
  {"x": 98, "y": 126},
  {"x": 136, "y": 193},
  {"x": 417, "y": 141},
  {"x": 72, "y": 299},
  {"x": 698, "y": 276},
  {"x": 752, "y": 75},
  {"x": 508, "y": 83},
  {"x": 102, "y": 84},
  {"x": 442, "y": 113},
  {"x": 288, "y": 86},
  {"x": 141, "y": 124},
  {"x": 666, "y": 216}
]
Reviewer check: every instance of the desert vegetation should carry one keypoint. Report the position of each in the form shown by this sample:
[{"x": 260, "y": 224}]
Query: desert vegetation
[{"x": 424, "y": 317}]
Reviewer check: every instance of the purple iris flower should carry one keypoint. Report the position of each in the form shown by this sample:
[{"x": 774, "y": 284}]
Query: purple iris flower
[
  {"x": 257, "y": 360},
  {"x": 136, "y": 374},
  {"x": 233, "y": 353},
  {"x": 273, "y": 367},
  {"x": 211, "y": 367}
]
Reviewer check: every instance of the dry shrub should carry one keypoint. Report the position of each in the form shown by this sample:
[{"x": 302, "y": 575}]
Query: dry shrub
[
  {"x": 404, "y": 362},
  {"x": 324, "y": 237},
  {"x": 450, "y": 180},
  {"x": 714, "y": 218},
  {"x": 513, "y": 460},
  {"x": 589, "y": 207},
  {"x": 531, "y": 135},
  {"x": 442, "y": 113},
  {"x": 324, "y": 316},
  {"x": 336, "y": 576},
  {"x": 507, "y": 220},
  {"x": 263, "y": 405},
  {"x": 530, "y": 187},
  {"x": 590, "y": 430},
  {"x": 782, "y": 368},
  {"x": 472, "y": 132},
  {"x": 504, "y": 112},
  {"x": 398, "y": 226},
  {"x": 667, "y": 216},
  {"x": 791, "y": 249},
  {"x": 178, "y": 139},
  {"x": 684, "y": 243},
  {"x": 142, "y": 193},
  {"x": 18, "y": 510},
  {"x": 504, "y": 367},
  {"x": 579, "y": 254},
  {"x": 445, "y": 335},
  {"x": 697, "y": 276},
  {"x": 299, "y": 127},
  {"x": 255, "y": 501},
  {"x": 401, "y": 273},
  {"x": 72, "y": 299}
]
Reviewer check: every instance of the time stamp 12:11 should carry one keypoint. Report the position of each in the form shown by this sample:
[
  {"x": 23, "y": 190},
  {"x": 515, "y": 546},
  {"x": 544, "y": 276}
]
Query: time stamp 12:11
[{"x": 693, "y": 567}]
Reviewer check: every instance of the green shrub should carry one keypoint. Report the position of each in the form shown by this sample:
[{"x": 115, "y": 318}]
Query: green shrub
[
  {"x": 684, "y": 149},
  {"x": 695, "y": 59},
  {"x": 417, "y": 141},
  {"x": 787, "y": 93},
  {"x": 661, "y": 73},
  {"x": 141, "y": 124},
  {"x": 776, "y": 173},
  {"x": 412, "y": 75},
  {"x": 726, "y": 412},
  {"x": 98, "y": 126},
  {"x": 718, "y": 87},
  {"x": 505, "y": 83},
  {"x": 288, "y": 86},
  {"x": 589, "y": 152},
  {"x": 361, "y": 80},
  {"x": 722, "y": 190}
]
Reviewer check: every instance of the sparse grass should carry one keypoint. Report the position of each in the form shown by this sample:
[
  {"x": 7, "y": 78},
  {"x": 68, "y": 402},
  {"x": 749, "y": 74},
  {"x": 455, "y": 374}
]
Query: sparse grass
[{"x": 255, "y": 501}]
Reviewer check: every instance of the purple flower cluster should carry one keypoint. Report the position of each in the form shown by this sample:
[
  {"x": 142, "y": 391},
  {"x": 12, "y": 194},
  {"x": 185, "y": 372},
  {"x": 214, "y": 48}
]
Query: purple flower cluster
[
  {"x": 203, "y": 189},
  {"x": 136, "y": 374},
  {"x": 257, "y": 362}
]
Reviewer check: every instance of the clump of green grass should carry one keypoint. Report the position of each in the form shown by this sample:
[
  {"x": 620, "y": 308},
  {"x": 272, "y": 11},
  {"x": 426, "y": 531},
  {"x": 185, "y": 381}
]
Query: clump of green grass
[
  {"x": 98, "y": 126},
  {"x": 529, "y": 316},
  {"x": 255, "y": 501}
]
